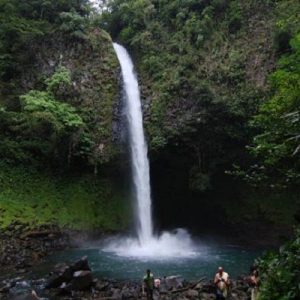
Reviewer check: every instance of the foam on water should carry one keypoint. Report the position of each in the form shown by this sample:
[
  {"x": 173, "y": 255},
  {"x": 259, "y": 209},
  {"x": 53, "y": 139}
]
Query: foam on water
[{"x": 169, "y": 245}]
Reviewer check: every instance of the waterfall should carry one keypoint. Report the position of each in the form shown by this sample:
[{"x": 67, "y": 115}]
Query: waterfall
[
  {"x": 138, "y": 145},
  {"x": 169, "y": 244}
]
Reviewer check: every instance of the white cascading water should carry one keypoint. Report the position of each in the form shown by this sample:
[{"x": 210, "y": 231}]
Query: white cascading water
[
  {"x": 168, "y": 244},
  {"x": 139, "y": 159}
]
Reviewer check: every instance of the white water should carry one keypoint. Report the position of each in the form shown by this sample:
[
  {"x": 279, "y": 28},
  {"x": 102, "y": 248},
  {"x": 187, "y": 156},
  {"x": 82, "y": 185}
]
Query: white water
[
  {"x": 176, "y": 244},
  {"x": 139, "y": 159}
]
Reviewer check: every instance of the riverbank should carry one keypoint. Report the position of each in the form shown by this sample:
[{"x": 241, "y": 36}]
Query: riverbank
[
  {"x": 77, "y": 281},
  {"x": 23, "y": 246}
]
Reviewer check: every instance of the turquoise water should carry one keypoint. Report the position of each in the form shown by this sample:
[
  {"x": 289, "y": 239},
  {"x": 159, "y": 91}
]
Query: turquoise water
[{"x": 235, "y": 259}]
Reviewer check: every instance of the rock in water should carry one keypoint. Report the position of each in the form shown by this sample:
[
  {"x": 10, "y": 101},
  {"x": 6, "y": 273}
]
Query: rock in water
[
  {"x": 82, "y": 280},
  {"x": 75, "y": 277},
  {"x": 81, "y": 265},
  {"x": 63, "y": 273}
]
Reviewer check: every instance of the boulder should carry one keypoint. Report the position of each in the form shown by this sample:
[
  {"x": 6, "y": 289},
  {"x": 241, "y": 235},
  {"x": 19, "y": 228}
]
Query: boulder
[
  {"x": 239, "y": 295},
  {"x": 102, "y": 285},
  {"x": 4, "y": 289},
  {"x": 82, "y": 280},
  {"x": 207, "y": 296},
  {"x": 172, "y": 282},
  {"x": 81, "y": 265},
  {"x": 128, "y": 293},
  {"x": 192, "y": 294},
  {"x": 208, "y": 288},
  {"x": 116, "y": 294},
  {"x": 63, "y": 273}
]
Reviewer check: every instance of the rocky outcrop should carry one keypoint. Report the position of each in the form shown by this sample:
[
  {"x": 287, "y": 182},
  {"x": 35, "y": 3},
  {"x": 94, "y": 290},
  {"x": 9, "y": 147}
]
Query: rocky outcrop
[
  {"x": 76, "y": 281},
  {"x": 21, "y": 246},
  {"x": 77, "y": 276}
]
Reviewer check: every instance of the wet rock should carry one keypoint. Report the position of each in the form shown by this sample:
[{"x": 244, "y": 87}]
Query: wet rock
[
  {"x": 82, "y": 280},
  {"x": 180, "y": 297},
  {"x": 22, "y": 271},
  {"x": 240, "y": 285},
  {"x": 63, "y": 290},
  {"x": 128, "y": 293},
  {"x": 7, "y": 285},
  {"x": 81, "y": 265},
  {"x": 207, "y": 296},
  {"x": 76, "y": 277},
  {"x": 239, "y": 295},
  {"x": 23, "y": 284},
  {"x": 102, "y": 285},
  {"x": 199, "y": 286},
  {"x": 208, "y": 288},
  {"x": 4, "y": 288},
  {"x": 173, "y": 282},
  {"x": 192, "y": 294},
  {"x": 21, "y": 246},
  {"x": 116, "y": 294},
  {"x": 63, "y": 273}
]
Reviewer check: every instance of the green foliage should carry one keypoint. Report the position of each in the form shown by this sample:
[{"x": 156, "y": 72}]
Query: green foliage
[
  {"x": 288, "y": 15},
  {"x": 24, "y": 21},
  {"x": 235, "y": 17},
  {"x": 71, "y": 201},
  {"x": 280, "y": 272},
  {"x": 287, "y": 25},
  {"x": 69, "y": 119},
  {"x": 60, "y": 78},
  {"x": 196, "y": 68},
  {"x": 45, "y": 126},
  {"x": 42, "y": 105},
  {"x": 73, "y": 23},
  {"x": 279, "y": 121}
]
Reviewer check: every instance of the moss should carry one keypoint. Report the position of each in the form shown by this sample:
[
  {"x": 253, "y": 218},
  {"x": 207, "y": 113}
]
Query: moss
[{"x": 84, "y": 202}]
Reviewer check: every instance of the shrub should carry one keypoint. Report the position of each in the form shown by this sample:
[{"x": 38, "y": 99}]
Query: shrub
[{"x": 280, "y": 272}]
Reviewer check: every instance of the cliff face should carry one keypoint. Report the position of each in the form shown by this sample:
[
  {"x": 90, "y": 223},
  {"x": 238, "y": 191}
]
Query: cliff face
[{"x": 93, "y": 67}]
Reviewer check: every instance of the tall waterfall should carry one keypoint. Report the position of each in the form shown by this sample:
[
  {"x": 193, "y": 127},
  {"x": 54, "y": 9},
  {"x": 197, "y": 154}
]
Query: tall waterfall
[
  {"x": 138, "y": 145},
  {"x": 169, "y": 244}
]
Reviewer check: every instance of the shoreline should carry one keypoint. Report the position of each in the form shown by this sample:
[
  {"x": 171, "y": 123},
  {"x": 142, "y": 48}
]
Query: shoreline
[
  {"x": 25, "y": 248},
  {"x": 77, "y": 281}
]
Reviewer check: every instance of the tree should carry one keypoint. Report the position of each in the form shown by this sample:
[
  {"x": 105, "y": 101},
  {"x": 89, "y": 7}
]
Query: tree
[
  {"x": 280, "y": 272},
  {"x": 46, "y": 127},
  {"x": 278, "y": 143}
]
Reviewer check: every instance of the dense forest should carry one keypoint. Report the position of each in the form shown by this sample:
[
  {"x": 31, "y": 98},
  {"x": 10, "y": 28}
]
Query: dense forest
[{"x": 220, "y": 84}]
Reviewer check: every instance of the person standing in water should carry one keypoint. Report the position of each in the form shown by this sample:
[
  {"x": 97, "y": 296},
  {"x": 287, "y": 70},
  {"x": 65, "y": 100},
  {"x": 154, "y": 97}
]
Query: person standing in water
[
  {"x": 222, "y": 283},
  {"x": 148, "y": 284}
]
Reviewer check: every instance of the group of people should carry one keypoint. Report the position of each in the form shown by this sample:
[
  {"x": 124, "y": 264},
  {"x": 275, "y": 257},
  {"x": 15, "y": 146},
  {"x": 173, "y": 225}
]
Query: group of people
[{"x": 221, "y": 280}]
